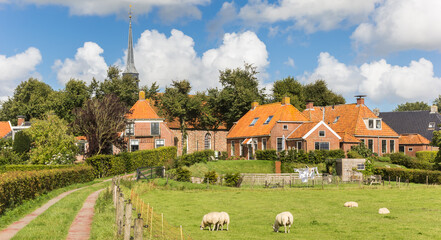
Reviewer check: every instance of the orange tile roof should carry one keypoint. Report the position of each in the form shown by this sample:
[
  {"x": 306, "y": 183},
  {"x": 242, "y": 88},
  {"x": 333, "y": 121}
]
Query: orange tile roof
[
  {"x": 279, "y": 112},
  {"x": 142, "y": 110},
  {"x": 5, "y": 128},
  {"x": 351, "y": 119},
  {"x": 413, "y": 139},
  {"x": 302, "y": 130},
  {"x": 348, "y": 138},
  {"x": 81, "y": 138}
]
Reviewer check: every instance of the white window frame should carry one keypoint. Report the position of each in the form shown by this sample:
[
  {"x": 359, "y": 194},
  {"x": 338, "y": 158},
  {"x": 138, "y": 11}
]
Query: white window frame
[
  {"x": 254, "y": 121},
  {"x": 277, "y": 145},
  {"x": 361, "y": 166},
  {"x": 264, "y": 143},
  {"x": 374, "y": 123},
  {"x": 432, "y": 125},
  {"x": 391, "y": 149},
  {"x": 130, "y": 126},
  {"x": 268, "y": 120},
  {"x": 132, "y": 141},
  {"x": 410, "y": 149},
  {"x": 322, "y": 131},
  {"x": 372, "y": 144},
  {"x": 232, "y": 148},
  {"x": 299, "y": 145},
  {"x": 159, "y": 128},
  {"x": 209, "y": 141},
  {"x": 156, "y": 142},
  {"x": 240, "y": 149},
  {"x": 383, "y": 150}
]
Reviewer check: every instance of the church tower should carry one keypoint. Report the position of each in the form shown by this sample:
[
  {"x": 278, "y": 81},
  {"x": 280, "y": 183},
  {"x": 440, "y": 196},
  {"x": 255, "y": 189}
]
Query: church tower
[{"x": 130, "y": 64}]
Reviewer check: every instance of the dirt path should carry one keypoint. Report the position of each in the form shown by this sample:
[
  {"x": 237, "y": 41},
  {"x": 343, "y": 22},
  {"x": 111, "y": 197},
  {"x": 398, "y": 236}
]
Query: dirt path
[{"x": 80, "y": 228}]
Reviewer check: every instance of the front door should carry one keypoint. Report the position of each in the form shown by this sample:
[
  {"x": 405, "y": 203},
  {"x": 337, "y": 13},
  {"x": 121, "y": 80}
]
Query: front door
[{"x": 250, "y": 152}]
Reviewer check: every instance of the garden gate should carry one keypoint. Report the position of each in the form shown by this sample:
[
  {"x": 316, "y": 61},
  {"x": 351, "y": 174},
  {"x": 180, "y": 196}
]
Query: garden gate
[{"x": 150, "y": 172}]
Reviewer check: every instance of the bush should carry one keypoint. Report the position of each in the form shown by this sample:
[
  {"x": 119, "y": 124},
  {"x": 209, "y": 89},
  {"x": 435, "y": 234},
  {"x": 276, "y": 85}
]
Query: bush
[
  {"x": 428, "y": 156},
  {"x": 223, "y": 155},
  {"x": 22, "y": 144},
  {"x": 102, "y": 165},
  {"x": 409, "y": 162},
  {"x": 232, "y": 179},
  {"x": 414, "y": 175},
  {"x": 362, "y": 150},
  {"x": 353, "y": 154},
  {"x": 182, "y": 174},
  {"x": 384, "y": 159},
  {"x": 266, "y": 155},
  {"x": 197, "y": 157},
  {"x": 18, "y": 186},
  {"x": 336, "y": 154},
  {"x": 8, "y": 156},
  {"x": 10, "y": 168},
  {"x": 211, "y": 176}
]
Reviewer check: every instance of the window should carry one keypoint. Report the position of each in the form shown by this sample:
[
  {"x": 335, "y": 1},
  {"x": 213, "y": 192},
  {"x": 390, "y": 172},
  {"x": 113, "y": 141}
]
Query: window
[
  {"x": 360, "y": 166},
  {"x": 321, "y": 145},
  {"x": 254, "y": 122},
  {"x": 371, "y": 123},
  {"x": 130, "y": 129},
  {"x": 374, "y": 124},
  {"x": 233, "y": 152},
  {"x": 392, "y": 146},
  {"x": 285, "y": 127},
  {"x": 81, "y": 147},
  {"x": 154, "y": 128},
  {"x": 207, "y": 141},
  {"x": 410, "y": 149},
  {"x": 134, "y": 145},
  {"x": 431, "y": 125},
  {"x": 268, "y": 120},
  {"x": 299, "y": 145},
  {"x": 321, "y": 133},
  {"x": 159, "y": 143},
  {"x": 371, "y": 144},
  {"x": 378, "y": 124},
  {"x": 401, "y": 148},
  {"x": 336, "y": 119},
  {"x": 240, "y": 149},
  {"x": 383, "y": 146},
  {"x": 264, "y": 144},
  {"x": 279, "y": 144}
]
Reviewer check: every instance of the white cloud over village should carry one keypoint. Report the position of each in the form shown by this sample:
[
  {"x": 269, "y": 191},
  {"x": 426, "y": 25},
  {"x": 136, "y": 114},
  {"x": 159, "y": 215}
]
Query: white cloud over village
[
  {"x": 88, "y": 63},
  {"x": 378, "y": 79},
  {"x": 17, "y": 68}
]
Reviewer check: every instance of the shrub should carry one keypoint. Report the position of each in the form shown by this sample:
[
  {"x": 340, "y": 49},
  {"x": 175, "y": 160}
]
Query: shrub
[
  {"x": 183, "y": 175},
  {"x": 266, "y": 155},
  {"x": 10, "y": 168},
  {"x": 335, "y": 154},
  {"x": 409, "y": 162},
  {"x": 414, "y": 175},
  {"x": 232, "y": 179},
  {"x": 102, "y": 165},
  {"x": 428, "y": 156},
  {"x": 223, "y": 155},
  {"x": 8, "y": 156},
  {"x": 18, "y": 186},
  {"x": 211, "y": 176},
  {"x": 384, "y": 159},
  {"x": 22, "y": 144},
  {"x": 197, "y": 157},
  {"x": 353, "y": 154},
  {"x": 362, "y": 150}
]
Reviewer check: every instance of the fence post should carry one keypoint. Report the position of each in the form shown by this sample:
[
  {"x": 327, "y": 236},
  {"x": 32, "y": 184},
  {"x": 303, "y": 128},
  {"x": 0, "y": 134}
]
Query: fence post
[
  {"x": 116, "y": 204},
  {"x": 427, "y": 179},
  {"x": 181, "y": 232},
  {"x": 162, "y": 224},
  {"x": 137, "y": 231},
  {"x": 322, "y": 183},
  {"x": 120, "y": 214},
  {"x": 115, "y": 194},
  {"x": 151, "y": 224},
  {"x": 128, "y": 221}
]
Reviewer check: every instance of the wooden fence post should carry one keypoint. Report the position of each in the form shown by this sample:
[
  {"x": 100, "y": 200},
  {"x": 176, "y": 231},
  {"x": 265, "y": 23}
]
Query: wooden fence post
[
  {"x": 162, "y": 224},
  {"x": 120, "y": 215},
  {"x": 137, "y": 231},
  {"x": 322, "y": 183},
  {"x": 427, "y": 179},
  {"x": 128, "y": 221},
  {"x": 182, "y": 237},
  {"x": 151, "y": 224}
]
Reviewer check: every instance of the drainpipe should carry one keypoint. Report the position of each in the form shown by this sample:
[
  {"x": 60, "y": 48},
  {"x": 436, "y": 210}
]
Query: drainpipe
[{"x": 378, "y": 146}]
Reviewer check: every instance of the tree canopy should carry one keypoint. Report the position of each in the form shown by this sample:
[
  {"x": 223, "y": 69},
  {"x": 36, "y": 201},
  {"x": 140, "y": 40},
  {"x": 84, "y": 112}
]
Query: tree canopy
[
  {"x": 124, "y": 87},
  {"x": 291, "y": 88},
  {"x": 321, "y": 95},
  {"x": 412, "y": 106},
  {"x": 72, "y": 96}
]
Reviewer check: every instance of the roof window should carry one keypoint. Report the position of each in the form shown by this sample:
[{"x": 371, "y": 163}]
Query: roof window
[
  {"x": 374, "y": 124},
  {"x": 254, "y": 122},
  {"x": 336, "y": 119},
  {"x": 432, "y": 125},
  {"x": 268, "y": 120}
]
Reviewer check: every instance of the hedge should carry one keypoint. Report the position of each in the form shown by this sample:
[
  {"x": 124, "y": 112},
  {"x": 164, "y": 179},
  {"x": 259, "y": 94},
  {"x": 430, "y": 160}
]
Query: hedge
[
  {"x": 196, "y": 157},
  {"x": 428, "y": 156},
  {"x": 267, "y": 155},
  {"x": 17, "y": 186},
  {"x": 312, "y": 157},
  {"x": 409, "y": 162},
  {"x": 10, "y": 168},
  {"x": 108, "y": 165},
  {"x": 414, "y": 175}
]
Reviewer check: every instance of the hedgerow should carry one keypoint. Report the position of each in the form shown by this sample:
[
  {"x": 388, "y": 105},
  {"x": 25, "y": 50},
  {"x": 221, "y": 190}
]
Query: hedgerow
[
  {"x": 413, "y": 175},
  {"x": 196, "y": 157},
  {"x": 9, "y": 168}
]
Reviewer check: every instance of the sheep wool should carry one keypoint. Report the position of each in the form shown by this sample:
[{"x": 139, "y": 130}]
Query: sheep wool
[
  {"x": 210, "y": 220},
  {"x": 283, "y": 219}
]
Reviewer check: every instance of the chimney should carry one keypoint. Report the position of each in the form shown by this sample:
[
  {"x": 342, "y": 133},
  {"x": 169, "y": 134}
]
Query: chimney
[
  {"x": 309, "y": 105},
  {"x": 360, "y": 99},
  {"x": 286, "y": 101},
  {"x": 376, "y": 111},
  {"x": 254, "y": 105},
  {"x": 20, "y": 120},
  {"x": 434, "y": 109},
  {"x": 141, "y": 95}
]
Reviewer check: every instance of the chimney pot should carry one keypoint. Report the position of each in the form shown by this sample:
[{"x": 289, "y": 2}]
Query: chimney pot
[
  {"x": 376, "y": 111},
  {"x": 254, "y": 105},
  {"x": 360, "y": 99},
  {"x": 434, "y": 109},
  {"x": 286, "y": 101},
  {"x": 20, "y": 120},
  {"x": 309, "y": 105},
  {"x": 141, "y": 95}
]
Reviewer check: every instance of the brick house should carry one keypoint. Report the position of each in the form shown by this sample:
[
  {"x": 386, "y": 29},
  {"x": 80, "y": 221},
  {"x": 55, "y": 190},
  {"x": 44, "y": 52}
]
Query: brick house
[
  {"x": 356, "y": 124},
  {"x": 278, "y": 126},
  {"x": 5, "y": 129},
  {"x": 412, "y": 143}
]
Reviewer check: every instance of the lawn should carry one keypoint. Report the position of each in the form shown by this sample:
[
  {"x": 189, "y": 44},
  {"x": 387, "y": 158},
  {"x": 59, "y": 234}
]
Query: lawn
[
  {"x": 232, "y": 166},
  {"x": 387, "y": 164},
  {"x": 318, "y": 214}
]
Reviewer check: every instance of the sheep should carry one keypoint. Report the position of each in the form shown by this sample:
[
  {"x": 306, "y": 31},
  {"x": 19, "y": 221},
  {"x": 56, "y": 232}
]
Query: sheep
[
  {"x": 210, "y": 219},
  {"x": 351, "y": 204},
  {"x": 383, "y": 211},
  {"x": 224, "y": 219},
  {"x": 283, "y": 219}
]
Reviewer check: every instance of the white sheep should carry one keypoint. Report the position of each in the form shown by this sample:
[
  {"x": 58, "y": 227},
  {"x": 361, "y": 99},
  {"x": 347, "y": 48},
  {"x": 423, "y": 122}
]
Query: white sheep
[
  {"x": 210, "y": 219},
  {"x": 224, "y": 219},
  {"x": 351, "y": 204},
  {"x": 283, "y": 219},
  {"x": 383, "y": 211}
]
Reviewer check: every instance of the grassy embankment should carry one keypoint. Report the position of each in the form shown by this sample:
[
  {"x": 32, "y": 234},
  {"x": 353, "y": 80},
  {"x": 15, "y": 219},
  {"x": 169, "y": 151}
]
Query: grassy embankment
[{"x": 226, "y": 166}]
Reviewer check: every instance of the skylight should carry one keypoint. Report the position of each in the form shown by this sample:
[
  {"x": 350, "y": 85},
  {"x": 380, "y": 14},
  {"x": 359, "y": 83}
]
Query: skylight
[
  {"x": 268, "y": 120},
  {"x": 336, "y": 119},
  {"x": 254, "y": 121}
]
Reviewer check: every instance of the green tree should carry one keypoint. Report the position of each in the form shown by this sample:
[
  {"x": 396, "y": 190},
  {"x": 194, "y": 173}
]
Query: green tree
[
  {"x": 437, "y": 102},
  {"x": 412, "y": 106},
  {"x": 22, "y": 144},
  {"x": 124, "y": 87},
  {"x": 151, "y": 92},
  {"x": 31, "y": 98},
  {"x": 177, "y": 104},
  {"x": 100, "y": 120},
  {"x": 291, "y": 88},
  {"x": 321, "y": 95},
  {"x": 73, "y": 96},
  {"x": 436, "y": 141},
  {"x": 51, "y": 143}
]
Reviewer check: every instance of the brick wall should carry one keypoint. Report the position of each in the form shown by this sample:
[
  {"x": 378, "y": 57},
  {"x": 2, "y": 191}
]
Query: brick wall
[
  {"x": 377, "y": 144},
  {"x": 196, "y": 140},
  {"x": 334, "y": 142}
]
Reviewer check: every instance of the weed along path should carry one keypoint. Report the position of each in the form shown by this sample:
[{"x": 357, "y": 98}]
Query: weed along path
[{"x": 80, "y": 228}]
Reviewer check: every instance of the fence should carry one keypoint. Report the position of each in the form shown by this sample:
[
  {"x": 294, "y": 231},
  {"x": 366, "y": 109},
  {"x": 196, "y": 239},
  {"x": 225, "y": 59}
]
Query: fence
[
  {"x": 150, "y": 172},
  {"x": 146, "y": 223}
]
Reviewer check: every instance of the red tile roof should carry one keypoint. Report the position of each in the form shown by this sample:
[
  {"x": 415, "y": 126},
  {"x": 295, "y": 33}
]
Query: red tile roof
[
  {"x": 279, "y": 112},
  {"x": 81, "y": 138},
  {"x": 302, "y": 130},
  {"x": 142, "y": 110},
  {"x": 413, "y": 139},
  {"x": 5, "y": 128},
  {"x": 348, "y": 138}
]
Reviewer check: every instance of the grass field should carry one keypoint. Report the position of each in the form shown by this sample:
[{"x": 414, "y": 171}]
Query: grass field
[
  {"x": 318, "y": 214},
  {"x": 225, "y": 166}
]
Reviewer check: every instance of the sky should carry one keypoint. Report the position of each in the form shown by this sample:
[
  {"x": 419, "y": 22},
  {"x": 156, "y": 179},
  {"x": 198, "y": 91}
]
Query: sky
[{"x": 389, "y": 50}]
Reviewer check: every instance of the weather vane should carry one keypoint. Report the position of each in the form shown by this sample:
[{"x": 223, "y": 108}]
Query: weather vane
[{"x": 130, "y": 13}]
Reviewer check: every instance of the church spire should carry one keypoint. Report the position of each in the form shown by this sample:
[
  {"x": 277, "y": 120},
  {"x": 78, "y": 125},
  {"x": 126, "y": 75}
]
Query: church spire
[{"x": 130, "y": 64}]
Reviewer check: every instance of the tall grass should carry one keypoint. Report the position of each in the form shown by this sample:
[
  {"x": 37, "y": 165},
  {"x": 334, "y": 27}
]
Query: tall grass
[{"x": 232, "y": 166}]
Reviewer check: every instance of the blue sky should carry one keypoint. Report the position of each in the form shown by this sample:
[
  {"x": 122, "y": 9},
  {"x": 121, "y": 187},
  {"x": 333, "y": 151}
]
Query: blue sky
[{"x": 387, "y": 49}]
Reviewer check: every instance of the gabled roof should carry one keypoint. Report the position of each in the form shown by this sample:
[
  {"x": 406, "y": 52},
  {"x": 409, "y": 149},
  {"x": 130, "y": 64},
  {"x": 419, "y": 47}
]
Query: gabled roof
[
  {"x": 142, "y": 110},
  {"x": 286, "y": 112},
  {"x": 413, "y": 122},
  {"x": 348, "y": 138},
  {"x": 305, "y": 129},
  {"x": 350, "y": 119},
  {"x": 5, "y": 128},
  {"x": 413, "y": 139}
]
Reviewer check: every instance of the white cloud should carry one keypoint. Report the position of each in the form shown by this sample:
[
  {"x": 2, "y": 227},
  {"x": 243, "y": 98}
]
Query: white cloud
[
  {"x": 311, "y": 15},
  {"x": 379, "y": 80},
  {"x": 168, "y": 9},
  {"x": 226, "y": 14},
  {"x": 17, "y": 68},
  {"x": 88, "y": 63},
  {"x": 401, "y": 25},
  {"x": 163, "y": 59},
  {"x": 290, "y": 62}
]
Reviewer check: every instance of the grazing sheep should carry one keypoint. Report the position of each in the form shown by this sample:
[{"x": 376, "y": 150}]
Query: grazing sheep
[
  {"x": 351, "y": 204},
  {"x": 283, "y": 219},
  {"x": 210, "y": 219},
  {"x": 383, "y": 211},
  {"x": 224, "y": 219}
]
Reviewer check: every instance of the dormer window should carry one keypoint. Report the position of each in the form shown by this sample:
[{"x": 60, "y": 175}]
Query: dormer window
[
  {"x": 431, "y": 125},
  {"x": 268, "y": 120},
  {"x": 374, "y": 124},
  {"x": 336, "y": 119},
  {"x": 254, "y": 121},
  {"x": 378, "y": 124}
]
